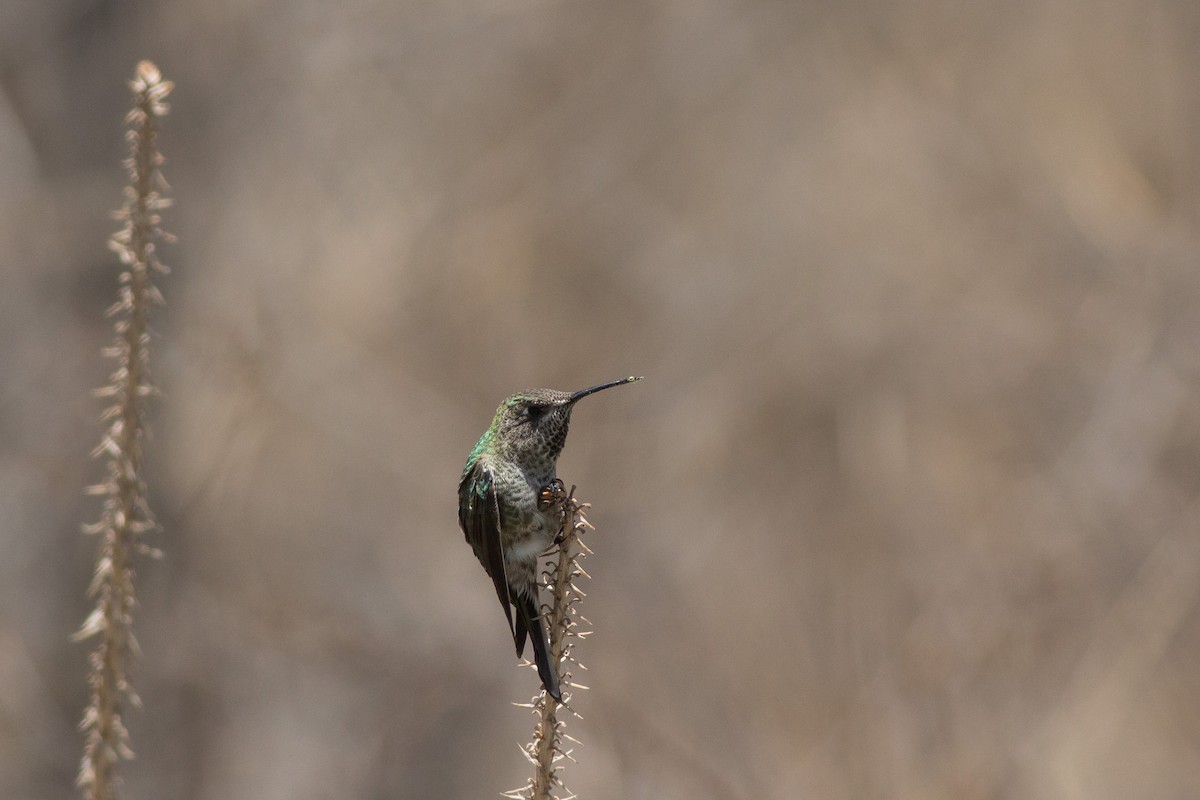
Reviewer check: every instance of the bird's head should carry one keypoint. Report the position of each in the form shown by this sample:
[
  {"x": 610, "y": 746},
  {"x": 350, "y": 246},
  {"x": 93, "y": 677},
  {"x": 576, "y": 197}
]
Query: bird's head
[{"x": 533, "y": 423}]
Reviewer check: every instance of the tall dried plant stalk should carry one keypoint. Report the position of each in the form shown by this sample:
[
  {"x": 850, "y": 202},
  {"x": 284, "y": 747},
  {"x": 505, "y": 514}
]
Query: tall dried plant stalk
[
  {"x": 126, "y": 514},
  {"x": 547, "y": 750}
]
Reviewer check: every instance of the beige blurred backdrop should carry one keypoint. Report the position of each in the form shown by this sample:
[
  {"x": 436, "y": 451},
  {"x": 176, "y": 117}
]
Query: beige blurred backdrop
[{"x": 906, "y": 506}]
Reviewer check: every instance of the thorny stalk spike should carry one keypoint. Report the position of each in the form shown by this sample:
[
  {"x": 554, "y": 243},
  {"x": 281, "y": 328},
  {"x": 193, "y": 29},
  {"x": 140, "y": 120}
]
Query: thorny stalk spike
[
  {"x": 546, "y": 751},
  {"x": 126, "y": 513}
]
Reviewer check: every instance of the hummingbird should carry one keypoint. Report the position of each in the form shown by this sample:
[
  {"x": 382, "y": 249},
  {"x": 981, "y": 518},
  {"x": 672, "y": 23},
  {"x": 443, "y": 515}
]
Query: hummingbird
[{"x": 507, "y": 508}]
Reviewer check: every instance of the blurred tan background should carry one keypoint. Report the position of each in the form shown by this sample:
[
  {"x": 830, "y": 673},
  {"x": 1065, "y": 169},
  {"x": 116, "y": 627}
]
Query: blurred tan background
[{"x": 905, "y": 508}]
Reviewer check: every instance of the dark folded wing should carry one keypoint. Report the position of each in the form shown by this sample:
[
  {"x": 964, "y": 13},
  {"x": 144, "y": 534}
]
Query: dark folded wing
[{"x": 479, "y": 516}]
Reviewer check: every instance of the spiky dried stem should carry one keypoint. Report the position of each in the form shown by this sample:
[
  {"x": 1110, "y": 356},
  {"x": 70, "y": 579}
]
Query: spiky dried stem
[
  {"x": 547, "y": 749},
  {"x": 126, "y": 513}
]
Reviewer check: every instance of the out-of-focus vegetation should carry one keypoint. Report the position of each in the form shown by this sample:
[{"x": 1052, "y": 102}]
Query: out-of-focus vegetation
[{"x": 906, "y": 507}]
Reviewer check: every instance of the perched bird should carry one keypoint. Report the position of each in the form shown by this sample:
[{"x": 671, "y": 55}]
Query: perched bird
[{"x": 503, "y": 508}]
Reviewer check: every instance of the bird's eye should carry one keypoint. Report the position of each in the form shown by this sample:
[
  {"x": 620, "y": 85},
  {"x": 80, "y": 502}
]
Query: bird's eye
[{"x": 536, "y": 412}]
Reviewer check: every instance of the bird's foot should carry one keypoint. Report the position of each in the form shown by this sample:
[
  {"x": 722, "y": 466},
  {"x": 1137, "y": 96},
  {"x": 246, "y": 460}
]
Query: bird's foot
[{"x": 552, "y": 494}]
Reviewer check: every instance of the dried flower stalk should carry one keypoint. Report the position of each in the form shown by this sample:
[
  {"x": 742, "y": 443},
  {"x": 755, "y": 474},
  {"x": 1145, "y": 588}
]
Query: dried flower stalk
[
  {"x": 126, "y": 514},
  {"x": 563, "y": 622}
]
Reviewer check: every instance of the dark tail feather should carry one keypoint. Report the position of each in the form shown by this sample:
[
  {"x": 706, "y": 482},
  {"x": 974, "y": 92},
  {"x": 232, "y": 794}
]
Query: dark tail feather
[
  {"x": 520, "y": 626},
  {"x": 528, "y": 621}
]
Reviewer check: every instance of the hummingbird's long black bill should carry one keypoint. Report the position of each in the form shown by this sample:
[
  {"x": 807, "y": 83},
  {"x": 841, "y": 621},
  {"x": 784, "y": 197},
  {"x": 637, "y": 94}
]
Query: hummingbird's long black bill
[{"x": 582, "y": 393}]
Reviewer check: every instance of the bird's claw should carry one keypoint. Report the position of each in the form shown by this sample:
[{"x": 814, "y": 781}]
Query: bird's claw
[{"x": 552, "y": 494}]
